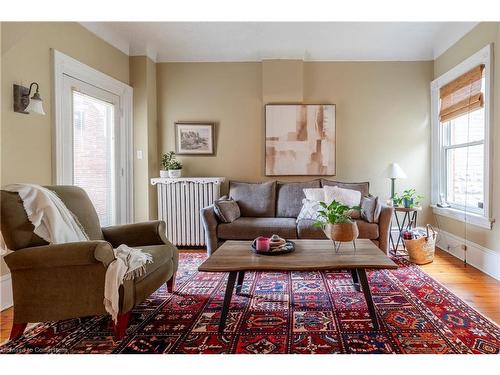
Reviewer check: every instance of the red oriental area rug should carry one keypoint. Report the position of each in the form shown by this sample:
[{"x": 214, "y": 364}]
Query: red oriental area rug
[{"x": 296, "y": 312}]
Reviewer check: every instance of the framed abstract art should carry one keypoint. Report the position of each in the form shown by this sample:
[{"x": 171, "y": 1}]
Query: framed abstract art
[{"x": 300, "y": 140}]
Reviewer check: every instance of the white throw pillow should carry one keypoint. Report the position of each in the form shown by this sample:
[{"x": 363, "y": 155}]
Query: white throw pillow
[
  {"x": 345, "y": 196},
  {"x": 315, "y": 194},
  {"x": 309, "y": 210}
]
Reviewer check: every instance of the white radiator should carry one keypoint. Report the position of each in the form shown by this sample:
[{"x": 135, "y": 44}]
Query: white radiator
[{"x": 179, "y": 203}]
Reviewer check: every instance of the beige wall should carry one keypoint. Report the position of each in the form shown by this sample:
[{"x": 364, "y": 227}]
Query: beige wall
[
  {"x": 477, "y": 38},
  {"x": 26, "y": 140},
  {"x": 282, "y": 80},
  {"x": 382, "y": 114},
  {"x": 227, "y": 93},
  {"x": 143, "y": 81}
]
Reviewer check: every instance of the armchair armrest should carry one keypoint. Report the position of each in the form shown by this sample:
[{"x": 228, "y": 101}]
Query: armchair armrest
[
  {"x": 138, "y": 234},
  {"x": 61, "y": 255},
  {"x": 384, "y": 222}
]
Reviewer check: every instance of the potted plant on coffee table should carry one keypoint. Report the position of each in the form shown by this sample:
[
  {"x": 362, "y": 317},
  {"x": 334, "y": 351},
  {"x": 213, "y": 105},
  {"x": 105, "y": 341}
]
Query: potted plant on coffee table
[
  {"x": 336, "y": 223},
  {"x": 171, "y": 167}
]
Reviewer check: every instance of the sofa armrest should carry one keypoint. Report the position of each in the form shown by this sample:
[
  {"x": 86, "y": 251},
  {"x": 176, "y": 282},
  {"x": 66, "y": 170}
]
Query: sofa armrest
[
  {"x": 384, "y": 223},
  {"x": 138, "y": 234},
  {"x": 210, "y": 223},
  {"x": 61, "y": 255}
]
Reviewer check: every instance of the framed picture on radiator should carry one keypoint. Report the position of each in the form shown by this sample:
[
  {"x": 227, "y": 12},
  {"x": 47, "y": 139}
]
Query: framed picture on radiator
[{"x": 194, "y": 138}]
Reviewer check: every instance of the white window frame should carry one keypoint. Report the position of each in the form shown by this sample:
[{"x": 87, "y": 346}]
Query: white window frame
[
  {"x": 438, "y": 172},
  {"x": 64, "y": 65}
]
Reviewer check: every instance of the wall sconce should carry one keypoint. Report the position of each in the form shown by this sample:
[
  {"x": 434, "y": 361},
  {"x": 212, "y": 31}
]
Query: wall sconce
[{"x": 24, "y": 104}]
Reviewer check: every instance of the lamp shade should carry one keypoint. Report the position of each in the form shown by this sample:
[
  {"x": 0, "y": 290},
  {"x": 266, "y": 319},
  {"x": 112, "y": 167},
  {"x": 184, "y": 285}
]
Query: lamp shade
[
  {"x": 395, "y": 171},
  {"x": 35, "y": 106}
]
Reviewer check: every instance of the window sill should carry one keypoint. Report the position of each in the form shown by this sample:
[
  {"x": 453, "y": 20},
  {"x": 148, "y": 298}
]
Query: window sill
[{"x": 468, "y": 217}]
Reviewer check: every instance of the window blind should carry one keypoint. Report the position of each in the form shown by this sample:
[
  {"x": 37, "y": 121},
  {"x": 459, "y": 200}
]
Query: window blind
[{"x": 462, "y": 95}]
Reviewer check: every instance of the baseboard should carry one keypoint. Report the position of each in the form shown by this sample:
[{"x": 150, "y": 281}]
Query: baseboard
[
  {"x": 478, "y": 256},
  {"x": 6, "y": 299}
]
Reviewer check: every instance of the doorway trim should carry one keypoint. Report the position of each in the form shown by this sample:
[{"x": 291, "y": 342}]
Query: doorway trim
[{"x": 64, "y": 65}]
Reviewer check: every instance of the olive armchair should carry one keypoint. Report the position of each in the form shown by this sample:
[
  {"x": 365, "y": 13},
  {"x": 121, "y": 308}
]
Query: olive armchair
[{"x": 63, "y": 281}]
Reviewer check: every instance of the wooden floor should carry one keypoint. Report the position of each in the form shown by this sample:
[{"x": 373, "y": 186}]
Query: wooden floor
[{"x": 473, "y": 286}]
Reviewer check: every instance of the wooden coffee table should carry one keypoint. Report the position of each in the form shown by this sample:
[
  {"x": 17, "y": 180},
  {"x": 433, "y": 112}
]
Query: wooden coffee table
[{"x": 236, "y": 257}]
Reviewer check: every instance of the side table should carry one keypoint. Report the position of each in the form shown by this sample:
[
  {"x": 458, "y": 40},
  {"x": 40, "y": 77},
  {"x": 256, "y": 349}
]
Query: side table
[{"x": 409, "y": 217}]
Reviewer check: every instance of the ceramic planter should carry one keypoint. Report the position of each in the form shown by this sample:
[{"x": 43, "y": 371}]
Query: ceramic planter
[
  {"x": 344, "y": 232},
  {"x": 163, "y": 174},
  {"x": 407, "y": 202},
  {"x": 174, "y": 173}
]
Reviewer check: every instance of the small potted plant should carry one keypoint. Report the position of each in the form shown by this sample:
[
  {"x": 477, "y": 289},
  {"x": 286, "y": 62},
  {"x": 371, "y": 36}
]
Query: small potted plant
[
  {"x": 335, "y": 221},
  {"x": 171, "y": 167},
  {"x": 410, "y": 199},
  {"x": 396, "y": 200}
]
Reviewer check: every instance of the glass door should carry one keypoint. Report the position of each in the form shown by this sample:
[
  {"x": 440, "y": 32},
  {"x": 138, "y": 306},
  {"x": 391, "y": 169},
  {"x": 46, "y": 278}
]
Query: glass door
[{"x": 92, "y": 115}]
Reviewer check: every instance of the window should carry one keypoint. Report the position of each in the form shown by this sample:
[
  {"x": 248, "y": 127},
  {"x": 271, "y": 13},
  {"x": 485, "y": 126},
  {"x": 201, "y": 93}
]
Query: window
[
  {"x": 93, "y": 137},
  {"x": 94, "y": 165},
  {"x": 460, "y": 137}
]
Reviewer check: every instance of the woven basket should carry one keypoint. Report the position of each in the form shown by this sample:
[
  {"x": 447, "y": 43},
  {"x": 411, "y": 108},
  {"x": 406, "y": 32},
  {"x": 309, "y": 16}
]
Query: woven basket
[{"x": 421, "y": 250}]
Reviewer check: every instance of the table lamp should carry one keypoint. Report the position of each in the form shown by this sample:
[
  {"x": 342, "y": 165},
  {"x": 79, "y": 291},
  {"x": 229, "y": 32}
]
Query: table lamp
[{"x": 394, "y": 171}]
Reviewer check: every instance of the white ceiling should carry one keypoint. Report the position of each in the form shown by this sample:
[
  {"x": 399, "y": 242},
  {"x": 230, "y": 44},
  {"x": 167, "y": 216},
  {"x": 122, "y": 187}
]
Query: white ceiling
[{"x": 256, "y": 41}]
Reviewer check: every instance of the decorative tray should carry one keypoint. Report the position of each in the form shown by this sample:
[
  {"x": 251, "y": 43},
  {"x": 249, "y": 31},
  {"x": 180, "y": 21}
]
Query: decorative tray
[{"x": 288, "y": 248}]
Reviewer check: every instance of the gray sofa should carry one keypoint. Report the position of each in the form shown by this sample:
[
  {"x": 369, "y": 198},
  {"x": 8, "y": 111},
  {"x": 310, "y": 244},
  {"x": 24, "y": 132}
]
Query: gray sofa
[{"x": 272, "y": 208}]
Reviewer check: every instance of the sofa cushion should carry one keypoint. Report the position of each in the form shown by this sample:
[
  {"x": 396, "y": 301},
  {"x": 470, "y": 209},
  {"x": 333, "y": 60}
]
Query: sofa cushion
[
  {"x": 249, "y": 228},
  {"x": 290, "y": 196},
  {"x": 307, "y": 230},
  {"x": 363, "y": 187},
  {"x": 254, "y": 199}
]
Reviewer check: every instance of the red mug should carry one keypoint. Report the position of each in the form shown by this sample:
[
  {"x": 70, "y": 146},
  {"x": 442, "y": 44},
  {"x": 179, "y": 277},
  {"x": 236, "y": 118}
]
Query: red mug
[{"x": 262, "y": 244}]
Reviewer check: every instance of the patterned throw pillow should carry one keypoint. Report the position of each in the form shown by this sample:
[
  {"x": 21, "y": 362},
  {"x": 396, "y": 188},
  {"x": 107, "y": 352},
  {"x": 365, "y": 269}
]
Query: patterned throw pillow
[
  {"x": 309, "y": 210},
  {"x": 227, "y": 210},
  {"x": 345, "y": 196},
  {"x": 370, "y": 209},
  {"x": 315, "y": 194}
]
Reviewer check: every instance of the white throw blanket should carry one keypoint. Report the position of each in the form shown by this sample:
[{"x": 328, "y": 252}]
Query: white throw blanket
[
  {"x": 55, "y": 223},
  {"x": 49, "y": 215}
]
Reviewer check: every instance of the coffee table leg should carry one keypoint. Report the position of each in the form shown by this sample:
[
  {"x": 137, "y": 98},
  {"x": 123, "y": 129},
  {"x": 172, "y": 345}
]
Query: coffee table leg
[
  {"x": 227, "y": 300},
  {"x": 368, "y": 296},
  {"x": 355, "y": 280},
  {"x": 239, "y": 282}
]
